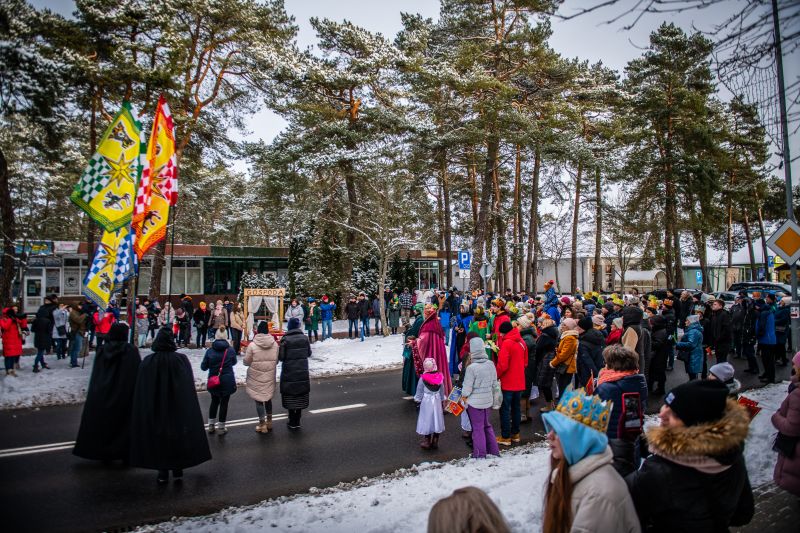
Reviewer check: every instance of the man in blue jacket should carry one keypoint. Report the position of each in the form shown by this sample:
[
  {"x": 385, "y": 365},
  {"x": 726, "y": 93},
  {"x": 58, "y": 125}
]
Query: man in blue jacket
[
  {"x": 326, "y": 309},
  {"x": 765, "y": 334}
]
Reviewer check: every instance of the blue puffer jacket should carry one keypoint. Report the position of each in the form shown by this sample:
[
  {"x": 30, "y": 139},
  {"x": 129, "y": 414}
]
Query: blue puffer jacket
[
  {"x": 326, "y": 311},
  {"x": 692, "y": 342},
  {"x": 211, "y": 362},
  {"x": 613, "y": 390},
  {"x": 765, "y": 326},
  {"x": 782, "y": 321},
  {"x": 551, "y": 305}
]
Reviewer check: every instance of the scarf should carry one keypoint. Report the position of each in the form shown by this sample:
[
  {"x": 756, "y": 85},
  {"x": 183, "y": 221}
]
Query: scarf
[
  {"x": 433, "y": 378},
  {"x": 607, "y": 375}
]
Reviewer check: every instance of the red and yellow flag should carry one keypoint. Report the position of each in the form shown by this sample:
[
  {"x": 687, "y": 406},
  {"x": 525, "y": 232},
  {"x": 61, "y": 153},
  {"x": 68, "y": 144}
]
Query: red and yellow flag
[{"x": 158, "y": 188}]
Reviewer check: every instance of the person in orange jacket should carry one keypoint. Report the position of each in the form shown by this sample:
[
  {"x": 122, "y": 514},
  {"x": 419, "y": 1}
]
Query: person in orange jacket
[
  {"x": 511, "y": 363},
  {"x": 566, "y": 354}
]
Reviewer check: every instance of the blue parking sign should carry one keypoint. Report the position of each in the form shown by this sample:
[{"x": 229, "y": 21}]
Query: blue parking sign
[
  {"x": 771, "y": 261},
  {"x": 464, "y": 259},
  {"x": 699, "y": 275}
]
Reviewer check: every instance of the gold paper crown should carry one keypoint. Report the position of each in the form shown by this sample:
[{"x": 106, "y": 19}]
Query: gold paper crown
[{"x": 588, "y": 410}]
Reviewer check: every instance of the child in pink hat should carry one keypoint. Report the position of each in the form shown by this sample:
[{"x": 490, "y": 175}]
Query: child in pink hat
[{"x": 430, "y": 396}]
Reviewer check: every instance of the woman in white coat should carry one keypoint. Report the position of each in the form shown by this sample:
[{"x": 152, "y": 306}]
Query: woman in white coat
[
  {"x": 261, "y": 358},
  {"x": 584, "y": 492}
]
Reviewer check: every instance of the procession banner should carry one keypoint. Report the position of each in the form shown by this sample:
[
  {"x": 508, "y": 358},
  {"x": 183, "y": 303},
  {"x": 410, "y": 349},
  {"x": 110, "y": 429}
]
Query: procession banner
[
  {"x": 106, "y": 190},
  {"x": 158, "y": 188},
  {"x": 114, "y": 262}
]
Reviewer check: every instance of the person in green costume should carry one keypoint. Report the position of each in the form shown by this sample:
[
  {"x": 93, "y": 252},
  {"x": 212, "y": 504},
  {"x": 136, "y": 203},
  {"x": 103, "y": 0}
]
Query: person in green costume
[{"x": 410, "y": 376}]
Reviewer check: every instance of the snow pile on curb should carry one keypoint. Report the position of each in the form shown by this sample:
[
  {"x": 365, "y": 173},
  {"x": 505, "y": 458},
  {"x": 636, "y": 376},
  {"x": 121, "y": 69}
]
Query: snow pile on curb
[
  {"x": 397, "y": 502},
  {"x": 402, "y": 500},
  {"x": 63, "y": 385}
]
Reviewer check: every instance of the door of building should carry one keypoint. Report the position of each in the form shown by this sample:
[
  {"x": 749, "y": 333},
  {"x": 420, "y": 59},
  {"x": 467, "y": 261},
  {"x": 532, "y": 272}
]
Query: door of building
[{"x": 33, "y": 290}]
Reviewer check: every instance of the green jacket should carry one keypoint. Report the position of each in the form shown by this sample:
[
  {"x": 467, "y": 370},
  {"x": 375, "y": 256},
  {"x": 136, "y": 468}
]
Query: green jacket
[{"x": 312, "y": 318}]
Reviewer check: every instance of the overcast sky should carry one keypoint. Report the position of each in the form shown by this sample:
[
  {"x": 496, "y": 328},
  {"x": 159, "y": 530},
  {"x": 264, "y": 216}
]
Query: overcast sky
[{"x": 586, "y": 37}]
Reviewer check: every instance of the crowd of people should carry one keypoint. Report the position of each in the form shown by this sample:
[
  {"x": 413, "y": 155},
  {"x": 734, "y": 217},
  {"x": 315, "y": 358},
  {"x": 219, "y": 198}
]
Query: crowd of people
[{"x": 596, "y": 361}]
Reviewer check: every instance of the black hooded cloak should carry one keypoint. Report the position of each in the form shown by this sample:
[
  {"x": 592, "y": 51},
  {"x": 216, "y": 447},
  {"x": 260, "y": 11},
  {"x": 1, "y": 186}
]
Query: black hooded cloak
[
  {"x": 166, "y": 425},
  {"x": 104, "y": 432}
]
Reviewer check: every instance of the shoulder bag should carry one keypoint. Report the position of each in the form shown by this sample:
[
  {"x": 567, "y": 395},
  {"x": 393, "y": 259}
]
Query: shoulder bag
[{"x": 213, "y": 381}]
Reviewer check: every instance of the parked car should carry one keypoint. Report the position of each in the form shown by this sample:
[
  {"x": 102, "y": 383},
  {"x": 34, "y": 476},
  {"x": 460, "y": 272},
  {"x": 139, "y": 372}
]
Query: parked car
[
  {"x": 769, "y": 286},
  {"x": 660, "y": 294},
  {"x": 728, "y": 297}
]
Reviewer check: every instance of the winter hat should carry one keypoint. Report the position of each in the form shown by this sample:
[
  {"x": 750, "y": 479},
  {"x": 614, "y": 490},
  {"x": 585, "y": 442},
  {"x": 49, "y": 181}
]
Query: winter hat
[
  {"x": 524, "y": 322},
  {"x": 569, "y": 324},
  {"x": 565, "y": 300},
  {"x": 598, "y": 320},
  {"x": 698, "y": 401},
  {"x": 617, "y": 322},
  {"x": 325, "y": 298},
  {"x": 691, "y": 319},
  {"x": 294, "y": 323},
  {"x": 222, "y": 333},
  {"x": 580, "y": 421},
  {"x": 722, "y": 371},
  {"x": 429, "y": 364},
  {"x": 506, "y": 327},
  {"x": 548, "y": 284},
  {"x": 476, "y": 347},
  {"x": 118, "y": 332},
  {"x": 585, "y": 323},
  {"x": 262, "y": 328},
  {"x": 631, "y": 316}
]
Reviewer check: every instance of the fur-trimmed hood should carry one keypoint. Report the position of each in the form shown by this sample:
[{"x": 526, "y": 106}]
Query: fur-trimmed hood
[{"x": 709, "y": 447}]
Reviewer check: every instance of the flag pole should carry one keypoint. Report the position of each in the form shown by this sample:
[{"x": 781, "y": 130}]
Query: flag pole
[{"x": 171, "y": 261}]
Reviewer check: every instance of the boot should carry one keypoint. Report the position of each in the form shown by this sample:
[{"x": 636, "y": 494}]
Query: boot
[
  {"x": 221, "y": 428},
  {"x": 426, "y": 442},
  {"x": 435, "y": 442},
  {"x": 547, "y": 408},
  {"x": 515, "y": 437},
  {"x": 525, "y": 407},
  {"x": 35, "y": 369},
  {"x": 12, "y": 372},
  {"x": 211, "y": 425},
  {"x": 268, "y": 425},
  {"x": 261, "y": 427}
]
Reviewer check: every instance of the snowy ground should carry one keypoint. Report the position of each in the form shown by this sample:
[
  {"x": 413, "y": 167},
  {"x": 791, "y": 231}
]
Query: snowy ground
[
  {"x": 62, "y": 384},
  {"x": 401, "y": 501}
]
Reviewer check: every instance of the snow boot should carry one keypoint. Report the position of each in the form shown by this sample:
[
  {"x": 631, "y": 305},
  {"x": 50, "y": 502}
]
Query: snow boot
[
  {"x": 268, "y": 425},
  {"x": 261, "y": 427},
  {"x": 515, "y": 438},
  {"x": 425, "y": 444},
  {"x": 212, "y": 425}
]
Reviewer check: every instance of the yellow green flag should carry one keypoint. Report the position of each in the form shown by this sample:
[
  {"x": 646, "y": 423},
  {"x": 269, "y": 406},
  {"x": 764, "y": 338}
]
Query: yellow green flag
[{"x": 107, "y": 188}]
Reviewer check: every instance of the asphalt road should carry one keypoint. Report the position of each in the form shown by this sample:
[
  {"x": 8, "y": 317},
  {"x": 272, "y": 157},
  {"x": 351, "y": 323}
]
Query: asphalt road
[{"x": 55, "y": 491}]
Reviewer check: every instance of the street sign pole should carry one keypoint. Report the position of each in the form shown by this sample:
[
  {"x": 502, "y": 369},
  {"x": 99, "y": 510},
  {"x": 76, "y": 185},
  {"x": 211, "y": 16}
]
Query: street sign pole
[{"x": 787, "y": 165}]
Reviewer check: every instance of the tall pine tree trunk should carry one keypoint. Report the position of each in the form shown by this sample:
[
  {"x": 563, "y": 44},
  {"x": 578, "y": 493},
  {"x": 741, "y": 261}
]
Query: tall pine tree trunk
[
  {"x": 598, "y": 231},
  {"x": 729, "y": 235},
  {"x": 9, "y": 233},
  {"x": 576, "y": 212},
  {"x": 448, "y": 241},
  {"x": 502, "y": 251},
  {"x": 473, "y": 187},
  {"x": 479, "y": 248},
  {"x": 515, "y": 250},
  {"x": 532, "y": 265},
  {"x": 749, "y": 237},
  {"x": 676, "y": 239},
  {"x": 669, "y": 228}
]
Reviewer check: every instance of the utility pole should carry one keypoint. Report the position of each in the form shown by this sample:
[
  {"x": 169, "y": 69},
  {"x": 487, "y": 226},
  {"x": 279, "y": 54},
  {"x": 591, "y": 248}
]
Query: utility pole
[{"x": 787, "y": 168}]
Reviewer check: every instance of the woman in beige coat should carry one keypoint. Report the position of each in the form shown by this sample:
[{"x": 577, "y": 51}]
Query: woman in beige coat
[
  {"x": 237, "y": 325},
  {"x": 261, "y": 357}
]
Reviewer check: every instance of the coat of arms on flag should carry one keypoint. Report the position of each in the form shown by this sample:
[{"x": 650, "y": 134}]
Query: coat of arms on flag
[
  {"x": 107, "y": 188},
  {"x": 114, "y": 262},
  {"x": 158, "y": 189}
]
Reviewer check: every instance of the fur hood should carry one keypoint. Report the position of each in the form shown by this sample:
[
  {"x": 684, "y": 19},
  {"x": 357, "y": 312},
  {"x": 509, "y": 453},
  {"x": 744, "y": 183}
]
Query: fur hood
[{"x": 703, "y": 446}]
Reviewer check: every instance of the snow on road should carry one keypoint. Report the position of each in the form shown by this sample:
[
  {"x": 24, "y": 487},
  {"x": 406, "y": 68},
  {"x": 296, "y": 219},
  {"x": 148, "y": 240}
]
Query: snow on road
[
  {"x": 401, "y": 501},
  {"x": 61, "y": 384}
]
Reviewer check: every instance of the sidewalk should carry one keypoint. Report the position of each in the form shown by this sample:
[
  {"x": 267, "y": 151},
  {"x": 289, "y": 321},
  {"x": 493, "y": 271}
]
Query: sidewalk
[{"x": 776, "y": 511}]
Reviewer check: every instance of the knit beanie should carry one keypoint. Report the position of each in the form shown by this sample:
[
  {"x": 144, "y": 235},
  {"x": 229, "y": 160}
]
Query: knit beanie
[
  {"x": 585, "y": 323},
  {"x": 722, "y": 371},
  {"x": 506, "y": 327},
  {"x": 598, "y": 320},
  {"x": 222, "y": 333},
  {"x": 429, "y": 364},
  {"x": 569, "y": 323},
  {"x": 524, "y": 322},
  {"x": 617, "y": 322},
  {"x": 698, "y": 401},
  {"x": 294, "y": 323}
]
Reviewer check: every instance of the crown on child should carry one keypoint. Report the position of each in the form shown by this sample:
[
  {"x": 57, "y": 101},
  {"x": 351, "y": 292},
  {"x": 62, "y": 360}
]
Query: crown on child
[{"x": 589, "y": 410}]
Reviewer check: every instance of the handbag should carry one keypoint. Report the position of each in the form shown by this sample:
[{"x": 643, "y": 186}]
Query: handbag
[
  {"x": 497, "y": 395},
  {"x": 785, "y": 445},
  {"x": 682, "y": 356},
  {"x": 213, "y": 381}
]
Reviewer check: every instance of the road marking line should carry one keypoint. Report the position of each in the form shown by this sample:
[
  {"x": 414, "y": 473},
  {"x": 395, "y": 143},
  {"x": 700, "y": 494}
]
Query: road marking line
[
  {"x": 340, "y": 408},
  {"x": 57, "y": 446},
  {"x": 408, "y": 397}
]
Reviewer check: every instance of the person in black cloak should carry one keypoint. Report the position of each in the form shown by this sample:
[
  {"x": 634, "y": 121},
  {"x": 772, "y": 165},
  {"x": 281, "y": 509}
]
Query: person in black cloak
[
  {"x": 167, "y": 430},
  {"x": 104, "y": 433},
  {"x": 295, "y": 382}
]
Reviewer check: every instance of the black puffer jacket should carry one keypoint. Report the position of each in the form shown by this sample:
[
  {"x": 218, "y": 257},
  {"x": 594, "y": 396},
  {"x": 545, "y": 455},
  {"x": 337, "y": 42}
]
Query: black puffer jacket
[
  {"x": 696, "y": 479},
  {"x": 294, "y": 352},
  {"x": 590, "y": 355},
  {"x": 545, "y": 351}
]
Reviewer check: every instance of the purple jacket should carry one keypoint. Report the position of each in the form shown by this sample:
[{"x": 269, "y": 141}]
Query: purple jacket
[{"x": 787, "y": 420}]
